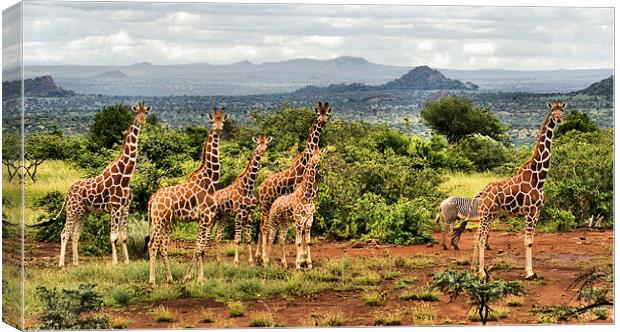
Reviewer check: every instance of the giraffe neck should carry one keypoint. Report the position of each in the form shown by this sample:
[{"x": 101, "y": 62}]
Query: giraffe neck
[
  {"x": 308, "y": 185},
  {"x": 126, "y": 161},
  {"x": 211, "y": 158},
  {"x": 539, "y": 163},
  {"x": 248, "y": 178},
  {"x": 311, "y": 142},
  {"x": 209, "y": 169}
]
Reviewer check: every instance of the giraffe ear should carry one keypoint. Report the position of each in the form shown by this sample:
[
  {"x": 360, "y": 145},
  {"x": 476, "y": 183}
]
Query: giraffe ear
[
  {"x": 563, "y": 105},
  {"x": 148, "y": 109},
  {"x": 226, "y": 117},
  {"x": 323, "y": 151},
  {"x": 254, "y": 140},
  {"x": 269, "y": 139},
  {"x": 134, "y": 108},
  {"x": 549, "y": 105}
]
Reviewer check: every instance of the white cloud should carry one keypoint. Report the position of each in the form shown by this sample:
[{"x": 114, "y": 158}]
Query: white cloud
[{"x": 479, "y": 48}]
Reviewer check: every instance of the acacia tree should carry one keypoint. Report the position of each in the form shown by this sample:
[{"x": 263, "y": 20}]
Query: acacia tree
[
  {"x": 456, "y": 117},
  {"x": 109, "y": 125}
]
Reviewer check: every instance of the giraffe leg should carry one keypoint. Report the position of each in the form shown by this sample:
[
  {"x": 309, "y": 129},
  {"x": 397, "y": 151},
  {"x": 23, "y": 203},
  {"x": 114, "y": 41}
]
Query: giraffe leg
[
  {"x": 239, "y": 219},
  {"x": 123, "y": 234},
  {"x": 204, "y": 226},
  {"x": 154, "y": 244},
  {"x": 248, "y": 236},
  {"x": 209, "y": 216},
  {"x": 298, "y": 243},
  {"x": 75, "y": 240},
  {"x": 219, "y": 232},
  {"x": 530, "y": 224},
  {"x": 164, "y": 257},
  {"x": 483, "y": 230},
  {"x": 308, "y": 227},
  {"x": 67, "y": 231},
  {"x": 114, "y": 230},
  {"x": 282, "y": 241}
]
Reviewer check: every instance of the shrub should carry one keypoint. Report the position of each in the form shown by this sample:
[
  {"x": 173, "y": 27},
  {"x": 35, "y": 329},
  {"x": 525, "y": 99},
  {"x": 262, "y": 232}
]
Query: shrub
[
  {"x": 481, "y": 293},
  {"x": 562, "y": 220},
  {"x": 236, "y": 309},
  {"x": 325, "y": 319},
  {"x": 63, "y": 309}
]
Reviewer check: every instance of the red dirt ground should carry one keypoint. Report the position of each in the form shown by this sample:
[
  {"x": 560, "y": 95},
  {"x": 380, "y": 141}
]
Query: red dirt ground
[{"x": 558, "y": 259}]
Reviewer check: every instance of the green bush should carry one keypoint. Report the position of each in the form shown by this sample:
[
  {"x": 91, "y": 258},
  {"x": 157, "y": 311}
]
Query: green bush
[
  {"x": 562, "y": 220},
  {"x": 581, "y": 177},
  {"x": 484, "y": 152},
  {"x": 64, "y": 309}
]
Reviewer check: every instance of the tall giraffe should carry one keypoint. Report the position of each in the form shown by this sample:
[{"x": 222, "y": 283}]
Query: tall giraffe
[
  {"x": 238, "y": 200},
  {"x": 520, "y": 195},
  {"x": 298, "y": 207},
  {"x": 107, "y": 192},
  {"x": 283, "y": 182},
  {"x": 190, "y": 200}
]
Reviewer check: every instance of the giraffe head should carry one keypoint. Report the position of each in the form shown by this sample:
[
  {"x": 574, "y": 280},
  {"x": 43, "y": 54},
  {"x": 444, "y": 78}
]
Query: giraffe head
[
  {"x": 218, "y": 118},
  {"x": 557, "y": 110},
  {"x": 315, "y": 155},
  {"x": 141, "y": 111},
  {"x": 262, "y": 142},
  {"x": 322, "y": 112}
]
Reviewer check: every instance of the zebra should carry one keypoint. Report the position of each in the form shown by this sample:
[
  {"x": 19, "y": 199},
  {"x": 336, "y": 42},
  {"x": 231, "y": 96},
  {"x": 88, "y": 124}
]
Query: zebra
[{"x": 456, "y": 208}]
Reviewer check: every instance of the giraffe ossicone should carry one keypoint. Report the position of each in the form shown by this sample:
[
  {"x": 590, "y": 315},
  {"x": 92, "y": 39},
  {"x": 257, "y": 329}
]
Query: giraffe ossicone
[
  {"x": 519, "y": 195},
  {"x": 108, "y": 192}
]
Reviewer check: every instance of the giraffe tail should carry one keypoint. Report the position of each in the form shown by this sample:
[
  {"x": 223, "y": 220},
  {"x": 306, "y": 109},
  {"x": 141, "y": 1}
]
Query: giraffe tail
[{"x": 51, "y": 220}]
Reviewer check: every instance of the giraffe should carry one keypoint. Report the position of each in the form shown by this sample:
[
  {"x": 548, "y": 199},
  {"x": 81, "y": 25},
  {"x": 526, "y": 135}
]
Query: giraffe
[
  {"x": 107, "y": 192},
  {"x": 238, "y": 199},
  {"x": 283, "y": 182},
  {"x": 298, "y": 207},
  {"x": 190, "y": 200},
  {"x": 520, "y": 195}
]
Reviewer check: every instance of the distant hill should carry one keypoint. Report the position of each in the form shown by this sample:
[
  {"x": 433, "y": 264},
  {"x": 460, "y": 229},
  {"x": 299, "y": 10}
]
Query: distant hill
[
  {"x": 247, "y": 78},
  {"x": 115, "y": 74},
  {"x": 427, "y": 78},
  {"x": 602, "y": 88},
  {"x": 43, "y": 86},
  {"x": 419, "y": 78}
]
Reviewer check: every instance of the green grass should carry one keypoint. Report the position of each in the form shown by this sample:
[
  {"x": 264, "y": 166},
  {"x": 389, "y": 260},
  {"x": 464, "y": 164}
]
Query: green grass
[
  {"x": 163, "y": 314},
  {"x": 422, "y": 295},
  {"x": 371, "y": 278},
  {"x": 262, "y": 319},
  {"x": 51, "y": 175},
  {"x": 372, "y": 299},
  {"x": 466, "y": 184},
  {"x": 122, "y": 296},
  {"x": 235, "y": 309},
  {"x": 514, "y": 301},
  {"x": 423, "y": 314}
]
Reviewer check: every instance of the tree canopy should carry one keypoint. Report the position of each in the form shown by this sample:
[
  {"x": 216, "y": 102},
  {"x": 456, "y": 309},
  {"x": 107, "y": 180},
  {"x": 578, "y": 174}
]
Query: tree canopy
[
  {"x": 109, "y": 125},
  {"x": 456, "y": 117}
]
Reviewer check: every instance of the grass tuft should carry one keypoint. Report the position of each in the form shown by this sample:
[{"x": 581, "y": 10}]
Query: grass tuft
[
  {"x": 163, "y": 314},
  {"x": 495, "y": 315},
  {"x": 324, "y": 319},
  {"x": 514, "y": 301},
  {"x": 424, "y": 295},
  {"x": 262, "y": 319},
  {"x": 423, "y": 314},
  {"x": 387, "y": 318},
  {"x": 236, "y": 309},
  {"x": 208, "y": 316},
  {"x": 372, "y": 299}
]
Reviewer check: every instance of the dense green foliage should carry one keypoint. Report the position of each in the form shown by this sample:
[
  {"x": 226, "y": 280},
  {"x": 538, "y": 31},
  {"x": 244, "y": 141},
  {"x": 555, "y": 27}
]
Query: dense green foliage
[
  {"x": 481, "y": 292},
  {"x": 575, "y": 120},
  {"x": 581, "y": 177},
  {"x": 484, "y": 152},
  {"x": 109, "y": 125},
  {"x": 65, "y": 309},
  {"x": 456, "y": 117}
]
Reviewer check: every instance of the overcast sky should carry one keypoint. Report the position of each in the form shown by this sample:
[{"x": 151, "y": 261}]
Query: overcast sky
[{"x": 444, "y": 37}]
